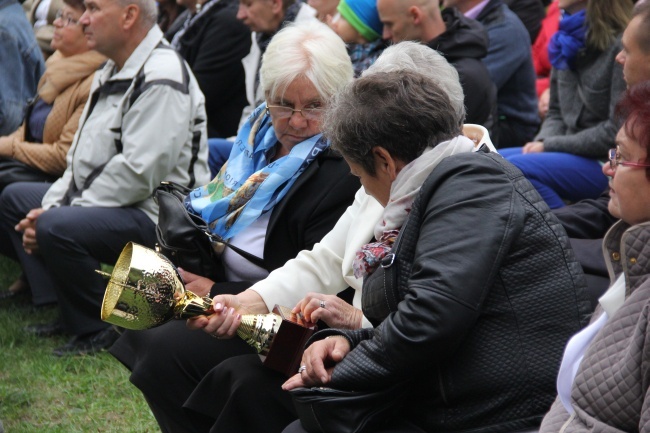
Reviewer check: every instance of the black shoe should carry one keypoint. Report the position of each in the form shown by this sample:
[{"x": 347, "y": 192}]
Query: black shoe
[
  {"x": 46, "y": 329},
  {"x": 6, "y": 294},
  {"x": 88, "y": 344}
]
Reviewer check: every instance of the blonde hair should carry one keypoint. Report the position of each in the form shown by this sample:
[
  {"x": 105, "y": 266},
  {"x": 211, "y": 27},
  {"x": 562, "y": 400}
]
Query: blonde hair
[{"x": 607, "y": 19}]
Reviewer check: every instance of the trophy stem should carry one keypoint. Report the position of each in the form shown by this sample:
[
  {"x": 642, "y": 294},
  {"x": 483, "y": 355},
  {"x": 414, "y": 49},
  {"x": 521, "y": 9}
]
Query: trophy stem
[{"x": 192, "y": 305}]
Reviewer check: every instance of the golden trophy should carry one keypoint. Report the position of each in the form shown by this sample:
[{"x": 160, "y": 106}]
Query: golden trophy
[{"x": 145, "y": 290}]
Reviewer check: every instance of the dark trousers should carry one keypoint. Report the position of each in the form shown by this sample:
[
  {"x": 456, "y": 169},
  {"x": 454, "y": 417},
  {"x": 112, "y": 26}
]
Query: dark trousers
[
  {"x": 241, "y": 395},
  {"x": 168, "y": 362},
  {"x": 72, "y": 241},
  {"x": 514, "y": 134},
  {"x": 395, "y": 426}
]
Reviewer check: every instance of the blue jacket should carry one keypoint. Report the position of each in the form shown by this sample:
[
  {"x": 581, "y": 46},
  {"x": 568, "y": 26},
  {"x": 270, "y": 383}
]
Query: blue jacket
[
  {"x": 510, "y": 64},
  {"x": 21, "y": 65}
]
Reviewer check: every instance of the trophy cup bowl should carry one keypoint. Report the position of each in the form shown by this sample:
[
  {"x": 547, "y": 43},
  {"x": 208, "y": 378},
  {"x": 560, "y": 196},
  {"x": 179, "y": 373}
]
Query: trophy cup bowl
[{"x": 145, "y": 290}]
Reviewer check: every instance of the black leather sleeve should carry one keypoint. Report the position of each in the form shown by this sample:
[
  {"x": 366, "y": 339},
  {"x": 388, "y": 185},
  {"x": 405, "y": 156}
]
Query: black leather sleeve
[
  {"x": 468, "y": 222},
  {"x": 586, "y": 219}
]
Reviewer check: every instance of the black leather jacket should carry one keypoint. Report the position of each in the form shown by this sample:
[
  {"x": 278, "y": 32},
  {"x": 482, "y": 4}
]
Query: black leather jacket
[{"x": 488, "y": 293}]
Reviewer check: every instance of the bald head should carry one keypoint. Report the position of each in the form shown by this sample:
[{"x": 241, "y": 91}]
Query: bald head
[{"x": 410, "y": 20}]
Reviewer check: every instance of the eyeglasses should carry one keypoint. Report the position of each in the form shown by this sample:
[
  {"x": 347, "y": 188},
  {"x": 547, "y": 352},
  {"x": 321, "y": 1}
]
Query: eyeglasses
[
  {"x": 65, "y": 20},
  {"x": 615, "y": 159},
  {"x": 283, "y": 112}
]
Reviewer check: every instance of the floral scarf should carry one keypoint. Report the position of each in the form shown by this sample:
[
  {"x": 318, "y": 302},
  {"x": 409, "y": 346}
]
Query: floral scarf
[{"x": 403, "y": 191}]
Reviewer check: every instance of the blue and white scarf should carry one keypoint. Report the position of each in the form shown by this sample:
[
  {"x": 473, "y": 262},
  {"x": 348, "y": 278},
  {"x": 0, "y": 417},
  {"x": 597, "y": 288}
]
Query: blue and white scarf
[{"x": 247, "y": 186}]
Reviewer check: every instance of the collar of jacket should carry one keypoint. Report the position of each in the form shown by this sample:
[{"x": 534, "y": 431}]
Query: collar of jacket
[
  {"x": 627, "y": 249},
  {"x": 464, "y": 37},
  {"x": 487, "y": 10}
]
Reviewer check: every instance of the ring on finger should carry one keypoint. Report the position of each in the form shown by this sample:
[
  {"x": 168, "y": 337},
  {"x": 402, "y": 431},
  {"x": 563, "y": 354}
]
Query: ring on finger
[
  {"x": 322, "y": 304},
  {"x": 302, "y": 368}
]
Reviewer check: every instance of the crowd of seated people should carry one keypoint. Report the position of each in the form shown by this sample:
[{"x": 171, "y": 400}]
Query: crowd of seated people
[{"x": 333, "y": 132}]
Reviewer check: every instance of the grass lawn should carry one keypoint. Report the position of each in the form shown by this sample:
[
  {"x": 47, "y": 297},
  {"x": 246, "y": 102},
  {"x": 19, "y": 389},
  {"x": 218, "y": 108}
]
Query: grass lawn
[{"x": 42, "y": 393}]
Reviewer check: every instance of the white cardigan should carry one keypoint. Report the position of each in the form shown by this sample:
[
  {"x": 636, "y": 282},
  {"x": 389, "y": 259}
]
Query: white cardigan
[{"x": 327, "y": 268}]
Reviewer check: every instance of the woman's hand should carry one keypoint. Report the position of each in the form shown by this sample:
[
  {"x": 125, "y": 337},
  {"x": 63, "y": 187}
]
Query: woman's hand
[
  {"x": 330, "y": 309},
  {"x": 224, "y": 321},
  {"x": 318, "y": 361},
  {"x": 533, "y": 147},
  {"x": 195, "y": 283}
]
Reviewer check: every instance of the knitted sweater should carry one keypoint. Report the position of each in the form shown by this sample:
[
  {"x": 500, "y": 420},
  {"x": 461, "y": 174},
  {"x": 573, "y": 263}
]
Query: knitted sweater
[{"x": 66, "y": 85}]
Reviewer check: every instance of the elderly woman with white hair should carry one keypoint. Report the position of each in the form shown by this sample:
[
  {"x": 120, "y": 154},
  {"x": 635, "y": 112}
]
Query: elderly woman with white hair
[{"x": 281, "y": 191}]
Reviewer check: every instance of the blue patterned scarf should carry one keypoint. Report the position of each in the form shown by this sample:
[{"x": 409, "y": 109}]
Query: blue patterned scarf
[
  {"x": 247, "y": 185},
  {"x": 567, "y": 41}
]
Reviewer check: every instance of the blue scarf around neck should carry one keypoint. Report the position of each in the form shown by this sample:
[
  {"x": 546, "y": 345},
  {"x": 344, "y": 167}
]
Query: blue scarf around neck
[
  {"x": 568, "y": 40},
  {"x": 247, "y": 185}
]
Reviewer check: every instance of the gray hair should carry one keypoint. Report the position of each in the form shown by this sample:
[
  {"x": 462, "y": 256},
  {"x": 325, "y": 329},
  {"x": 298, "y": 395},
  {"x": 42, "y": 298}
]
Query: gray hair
[
  {"x": 412, "y": 56},
  {"x": 148, "y": 10},
  {"x": 402, "y": 111},
  {"x": 311, "y": 50}
]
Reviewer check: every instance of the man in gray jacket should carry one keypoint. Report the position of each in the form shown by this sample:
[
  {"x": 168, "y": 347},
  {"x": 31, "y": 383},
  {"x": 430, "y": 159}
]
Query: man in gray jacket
[{"x": 144, "y": 122}]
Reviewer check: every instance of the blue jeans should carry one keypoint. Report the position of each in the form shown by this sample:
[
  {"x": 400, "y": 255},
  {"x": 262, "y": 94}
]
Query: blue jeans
[{"x": 559, "y": 176}]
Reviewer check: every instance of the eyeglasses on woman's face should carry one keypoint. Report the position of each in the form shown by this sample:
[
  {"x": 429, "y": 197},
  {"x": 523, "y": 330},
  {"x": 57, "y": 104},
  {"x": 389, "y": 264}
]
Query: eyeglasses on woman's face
[
  {"x": 615, "y": 160},
  {"x": 66, "y": 19},
  {"x": 310, "y": 112}
]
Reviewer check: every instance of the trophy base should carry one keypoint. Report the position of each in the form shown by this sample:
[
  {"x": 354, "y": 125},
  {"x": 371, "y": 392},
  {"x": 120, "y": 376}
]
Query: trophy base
[{"x": 288, "y": 345}]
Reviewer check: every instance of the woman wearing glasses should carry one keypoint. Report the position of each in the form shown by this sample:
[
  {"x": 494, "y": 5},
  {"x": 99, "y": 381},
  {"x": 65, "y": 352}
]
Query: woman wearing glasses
[
  {"x": 36, "y": 151},
  {"x": 280, "y": 192},
  {"x": 603, "y": 382}
]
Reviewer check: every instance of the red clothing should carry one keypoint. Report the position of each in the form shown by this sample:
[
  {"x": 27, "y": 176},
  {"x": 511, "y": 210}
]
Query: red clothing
[{"x": 542, "y": 64}]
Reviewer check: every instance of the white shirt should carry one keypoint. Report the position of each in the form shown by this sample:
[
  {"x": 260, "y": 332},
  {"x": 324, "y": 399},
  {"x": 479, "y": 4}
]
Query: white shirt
[
  {"x": 578, "y": 344},
  {"x": 251, "y": 240}
]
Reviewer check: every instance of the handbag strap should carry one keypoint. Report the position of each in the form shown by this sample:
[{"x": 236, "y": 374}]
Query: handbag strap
[
  {"x": 180, "y": 191},
  {"x": 258, "y": 261}
]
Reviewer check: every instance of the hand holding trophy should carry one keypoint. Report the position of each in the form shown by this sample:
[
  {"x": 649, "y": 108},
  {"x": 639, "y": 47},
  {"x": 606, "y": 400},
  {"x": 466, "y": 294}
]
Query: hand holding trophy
[{"x": 145, "y": 290}]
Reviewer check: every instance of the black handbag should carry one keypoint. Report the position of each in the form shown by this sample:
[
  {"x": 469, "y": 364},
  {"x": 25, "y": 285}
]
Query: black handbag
[
  {"x": 12, "y": 171},
  {"x": 327, "y": 410},
  {"x": 185, "y": 239}
]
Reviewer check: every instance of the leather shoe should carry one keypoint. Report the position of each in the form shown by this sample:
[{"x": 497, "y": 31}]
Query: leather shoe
[
  {"x": 6, "y": 294},
  {"x": 46, "y": 329},
  {"x": 88, "y": 344}
]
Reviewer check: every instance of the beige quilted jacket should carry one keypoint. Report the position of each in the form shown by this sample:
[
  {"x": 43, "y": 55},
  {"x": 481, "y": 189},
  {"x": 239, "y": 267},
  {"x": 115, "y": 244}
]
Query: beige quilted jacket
[{"x": 610, "y": 392}]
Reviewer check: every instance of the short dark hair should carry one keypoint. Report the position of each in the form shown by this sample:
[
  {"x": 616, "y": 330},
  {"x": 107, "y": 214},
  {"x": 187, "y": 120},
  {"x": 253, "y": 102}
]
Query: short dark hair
[
  {"x": 402, "y": 111},
  {"x": 642, "y": 10},
  {"x": 76, "y": 4},
  {"x": 634, "y": 110}
]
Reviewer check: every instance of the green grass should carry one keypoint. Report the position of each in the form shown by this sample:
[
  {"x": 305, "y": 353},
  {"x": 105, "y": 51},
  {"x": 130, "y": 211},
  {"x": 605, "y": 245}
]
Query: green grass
[{"x": 42, "y": 393}]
